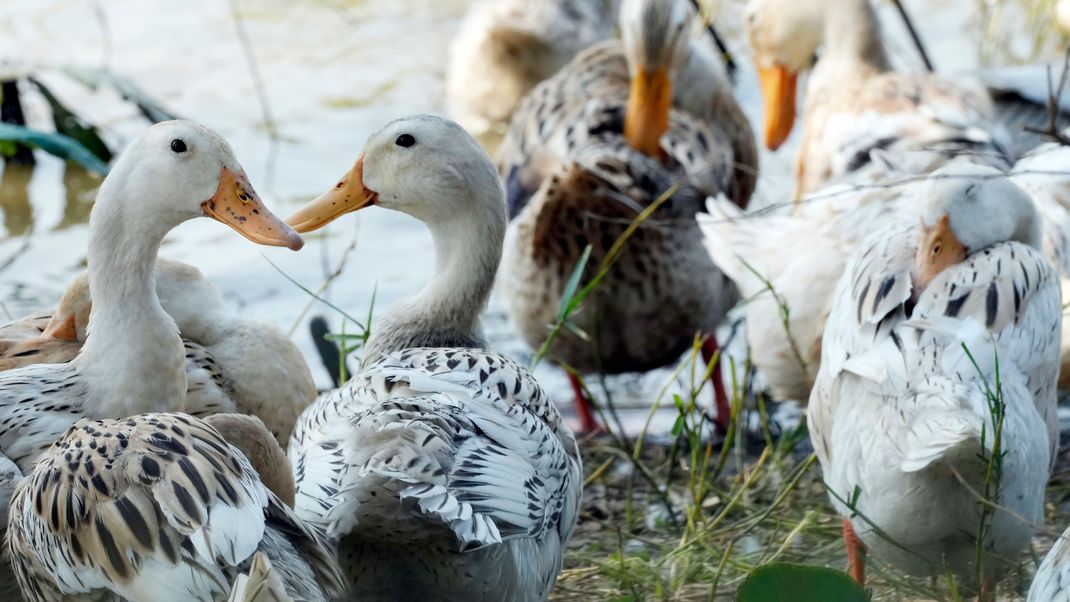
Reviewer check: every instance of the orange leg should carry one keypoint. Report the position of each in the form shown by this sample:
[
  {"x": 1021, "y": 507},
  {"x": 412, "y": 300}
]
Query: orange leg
[
  {"x": 856, "y": 553},
  {"x": 724, "y": 411},
  {"x": 988, "y": 591},
  {"x": 588, "y": 422}
]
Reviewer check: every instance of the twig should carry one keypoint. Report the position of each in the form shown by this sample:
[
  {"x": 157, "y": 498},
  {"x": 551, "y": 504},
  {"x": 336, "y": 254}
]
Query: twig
[
  {"x": 914, "y": 35},
  {"x": 1051, "y": 130},
  {"x": 105, "y": 33},
  {"x": 261, "y": 91},
  {"x": 726, "y": 54}
]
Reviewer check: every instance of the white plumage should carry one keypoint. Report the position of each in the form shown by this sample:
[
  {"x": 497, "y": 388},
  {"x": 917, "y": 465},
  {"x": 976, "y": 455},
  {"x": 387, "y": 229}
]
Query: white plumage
[
  {"x": 899, "y": 406},
  {"x": 441, "y": 470}
]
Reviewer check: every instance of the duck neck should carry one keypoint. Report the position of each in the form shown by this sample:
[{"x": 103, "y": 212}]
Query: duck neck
[
  {"x": 446, "y": 312},
  {"x": 852, "y": 39},
  {"x": 133, "y": 357}
]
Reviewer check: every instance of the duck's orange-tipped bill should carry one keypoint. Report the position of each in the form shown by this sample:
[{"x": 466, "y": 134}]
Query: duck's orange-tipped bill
[
  {"x": 647, "y": 118},
  {"x": 939, "y": 249},
  {"x": 778, "y": 92},
  {"x": 348, "y": 195},
  {"x": 62, "y": 327},
  {"x": 237, "y": 205}
]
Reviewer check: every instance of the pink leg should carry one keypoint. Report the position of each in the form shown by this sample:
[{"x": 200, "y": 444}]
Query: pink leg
[
  {"x": 724, "y": 411},
  {"x": 856, "y": 553},
  {"x": 588, "y": 422}
]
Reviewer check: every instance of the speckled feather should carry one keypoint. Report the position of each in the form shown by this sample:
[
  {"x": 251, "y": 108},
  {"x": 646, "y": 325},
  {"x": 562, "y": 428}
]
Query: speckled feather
[
  {"x": 572, "y": 180},
  {"x": 453, "y": 458},
  {"x": 895, "y": 384},
  {"x": 154, "y": 507}
]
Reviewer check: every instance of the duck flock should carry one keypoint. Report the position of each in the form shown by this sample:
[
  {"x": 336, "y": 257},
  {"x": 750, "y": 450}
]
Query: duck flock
[{"x": 156, "y": 446}]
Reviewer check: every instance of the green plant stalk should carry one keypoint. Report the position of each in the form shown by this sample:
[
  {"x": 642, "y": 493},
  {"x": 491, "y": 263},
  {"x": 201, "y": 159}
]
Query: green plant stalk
[
  {"x": 785, "y": 315},
  {"x": 993, "y": 461},
  {"x": 603, "y": 268}
]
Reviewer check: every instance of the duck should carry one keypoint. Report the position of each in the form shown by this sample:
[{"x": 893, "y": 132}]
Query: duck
[
  {"x": 786, "y": 266},
  {"x": 591, "y": 148},
  {"x": 504, "y": 48},
  {"x": 1042, "y": 173},
  {"x": 263, "y": 583},
  {"x": 133, "y": 359},
  {"x": 163, "y": 507},
  {"x": 441, "y": 470},
  {"x": 934, "y": 319},
  {"x": 855, "y": 103},
  {"x": 1050, "y": 583},
  {"x": 256, "y": 364}
]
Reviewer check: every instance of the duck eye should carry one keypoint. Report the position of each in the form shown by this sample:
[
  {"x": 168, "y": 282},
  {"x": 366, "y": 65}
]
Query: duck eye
[
  {"x": 405, "y": 140},
  {"x": 178, "y": 146}
]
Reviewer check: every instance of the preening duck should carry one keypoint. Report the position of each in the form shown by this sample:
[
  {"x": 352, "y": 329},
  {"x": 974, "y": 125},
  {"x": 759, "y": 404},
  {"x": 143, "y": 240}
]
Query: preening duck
[
  {"x": 442, "y": 470},
  {"x": 928, "y": 318},
  {"x": 253, "y": 363},
  {"x": 162, "y": 507},
  {"x": 133, "y": 358},
  {"x": 587, "y": 151},
  {"x": 504, "y": 48},
  {"x": 1044, "y": 175},
  {"x": 855, "y": 103},
  {"x": 1052, "y": 580}
]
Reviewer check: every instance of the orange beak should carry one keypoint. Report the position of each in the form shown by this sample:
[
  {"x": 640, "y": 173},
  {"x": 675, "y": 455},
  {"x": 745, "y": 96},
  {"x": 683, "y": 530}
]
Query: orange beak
[
  {"x": 940, "y": 249},
  {"x": 237, "y": 205},
  {"x": 61, "y": 327},
  {"x": 348, "y": 195},
  {"x": 647, "y": 118},
  {"x": 778, "y": 91}
]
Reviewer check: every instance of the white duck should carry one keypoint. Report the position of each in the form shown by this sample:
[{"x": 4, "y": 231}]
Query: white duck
[
  {"x": 506, "y": 47},
  {"x": 855, "y": 103},
  {"x": 899, "y": 409},
  {"x": 800, "y": 256},
  {"x": 254, "y": 363},
  {"x": 163, "y": 507},
  {"x": 1044, "y": 175},
  {"x": 133, "y": 358},
  {"x": 442, "y": 469},
  {"x": 1052, "y": 580}
]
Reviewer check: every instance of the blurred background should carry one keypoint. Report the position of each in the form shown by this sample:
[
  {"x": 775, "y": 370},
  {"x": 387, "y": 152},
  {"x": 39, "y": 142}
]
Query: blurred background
[{"x": 297, "y": 86}]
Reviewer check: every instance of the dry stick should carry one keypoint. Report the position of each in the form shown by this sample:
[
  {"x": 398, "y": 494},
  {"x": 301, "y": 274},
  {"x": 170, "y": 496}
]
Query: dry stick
[
  {"x": 726, "y": 54},
  {"x": 261, "y": 91},
  {"x": 331, "y": 277},
  {"x": 1051, "y": 130},
  {"x": 914, "y": 35}
]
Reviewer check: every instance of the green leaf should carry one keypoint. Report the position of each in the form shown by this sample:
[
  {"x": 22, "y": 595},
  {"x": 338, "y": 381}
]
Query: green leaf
[
  {"x": 573, "y": 283},
  {"x": 71, "y": 126},
  {"x": 678, "y": 425},
  {"x": 799, "y": 583},
  {"x": 8, "y": 149},
  {"x": 54, "y": 144},
  {"x": 94, "y": 78}
]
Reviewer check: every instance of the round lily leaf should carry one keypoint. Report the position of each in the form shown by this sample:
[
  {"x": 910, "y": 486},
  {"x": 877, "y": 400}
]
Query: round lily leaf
[{"x": 799, "y": 583}]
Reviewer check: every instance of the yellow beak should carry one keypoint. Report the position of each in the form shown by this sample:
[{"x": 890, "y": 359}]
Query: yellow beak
[
  {"x": 778, "y": 91},
  {"x": 940, "y": 249},
  {"x": 348, "y": 195},
  {"x": 647, "y": 118},
  {"x": 237, "y": 205}
]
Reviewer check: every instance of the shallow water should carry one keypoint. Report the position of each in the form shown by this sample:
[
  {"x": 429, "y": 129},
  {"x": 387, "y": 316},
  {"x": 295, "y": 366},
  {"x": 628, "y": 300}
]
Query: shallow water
[{"x": 332, "y": 72}]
